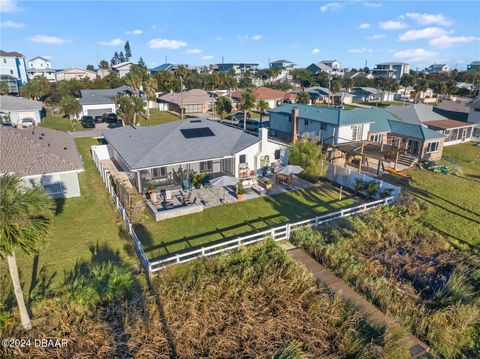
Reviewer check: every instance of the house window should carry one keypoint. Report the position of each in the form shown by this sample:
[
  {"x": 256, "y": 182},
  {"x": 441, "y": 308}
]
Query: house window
[
  {"x": 206, "y": 166},
  {"x": 243, "y": 158},
  {"x": 11, "y": 72},
  {"x": 432, "y": 147},
  {"x": 305, "y": 122},
  {"x": 4, "y": 61},
  {"x": 357, "y": 132},
  {"x": 323, "y": 126},
  {"x": 159, "y": 172},
  {"x": 376, "y": 138},
  {"x": 277, "y": 154},
  {"x": 477, "y": 109}
]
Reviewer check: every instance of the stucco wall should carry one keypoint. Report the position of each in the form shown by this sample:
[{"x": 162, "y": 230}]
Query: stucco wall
[
  {"x": 70, "y": 186},
  {"x": 109, "y": 106}
]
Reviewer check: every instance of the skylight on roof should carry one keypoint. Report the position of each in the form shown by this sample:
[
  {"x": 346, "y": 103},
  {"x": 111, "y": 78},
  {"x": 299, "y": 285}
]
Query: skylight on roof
[{"x": 197, "y": 132}]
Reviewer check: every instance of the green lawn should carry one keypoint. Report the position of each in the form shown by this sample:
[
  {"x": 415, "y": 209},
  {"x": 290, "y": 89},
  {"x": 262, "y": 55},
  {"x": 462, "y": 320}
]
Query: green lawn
[
  {"x": 80, "y": 224},
  {"x": 452, "y": 201},
  {"x": 345, "y": 107},
  {"x": 56, "y": 122},
  {"x": 158, "y": 118},
  {"x": 231, "y": 220}
]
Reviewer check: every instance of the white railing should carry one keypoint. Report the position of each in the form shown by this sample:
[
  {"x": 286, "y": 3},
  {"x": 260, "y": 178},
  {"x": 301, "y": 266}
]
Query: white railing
[{"x": 279, "y": 233}]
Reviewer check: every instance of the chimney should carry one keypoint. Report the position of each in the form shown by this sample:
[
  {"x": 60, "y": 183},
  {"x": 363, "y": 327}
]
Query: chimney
[{"x": 294, "y": 124}]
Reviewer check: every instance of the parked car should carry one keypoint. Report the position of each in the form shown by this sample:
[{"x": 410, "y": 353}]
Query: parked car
[
  {"x": 88, "y": 122},
  {"x": 98, "y": 119},
  {"x": 110, "y": 117},
  {"x": 7, "y": 125},
  {"x": 237, "y": 116}
]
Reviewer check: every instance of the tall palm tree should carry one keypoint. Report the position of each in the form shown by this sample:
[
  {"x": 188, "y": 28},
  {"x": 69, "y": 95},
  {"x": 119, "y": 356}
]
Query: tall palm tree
[
  {"x": 150, "y": 87},
  {"x": 24, "y": 221},
  {"x": 246, "y": 103},
  {"x": 263, "y": 107},
  {"x": 303, "y": 97}
]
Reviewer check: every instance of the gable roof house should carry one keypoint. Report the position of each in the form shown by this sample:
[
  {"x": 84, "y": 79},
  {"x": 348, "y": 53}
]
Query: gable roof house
[
  {"x": 455, "y": 131},
  {"x": 123, "y": 68},
  {"x": 43, "y": 158},
  {"x": 454, "y": 110},
  {"x": 161, "y": 153},
  {"x": 98, "y": 102},
  {"x": 40, "y": 66},
  {"x": 437, "y": 68},
  {"x": 191, "y": 101},
  {"x": 316, "y": 68},
  {"x": 75, "y": 73},
  {"x": 20, "y": 112},
  {"x": 370, "y": 94},
  {"x": 337, "y": 126},
  {"x": 273, "y": 97}
]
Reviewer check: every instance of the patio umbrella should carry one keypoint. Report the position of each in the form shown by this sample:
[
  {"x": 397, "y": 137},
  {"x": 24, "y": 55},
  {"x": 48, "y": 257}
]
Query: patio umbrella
[
  {"x": 289, "y": 170},
  {"x": 224, "y": 181}
]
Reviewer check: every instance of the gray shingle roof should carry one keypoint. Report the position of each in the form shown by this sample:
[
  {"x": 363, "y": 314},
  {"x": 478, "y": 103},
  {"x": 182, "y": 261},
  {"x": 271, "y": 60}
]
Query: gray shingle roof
[
  {"x": 35, "y": 151},
  {"x": 102, "y": 96},
  {"x": 417, "y": 113},
  {"x": 143, "y": 147},
  {"x": 13, "y": 103},
  {"x": 195, "y": 96}
]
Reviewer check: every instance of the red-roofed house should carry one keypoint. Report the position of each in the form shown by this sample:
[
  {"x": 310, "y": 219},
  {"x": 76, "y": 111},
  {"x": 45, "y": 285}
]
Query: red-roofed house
[{"x": 271, "y": 96}]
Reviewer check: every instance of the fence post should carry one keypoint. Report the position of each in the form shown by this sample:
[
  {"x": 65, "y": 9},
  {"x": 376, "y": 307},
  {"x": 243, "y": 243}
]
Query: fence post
[
  {"x": 272, "y": 233},
  {"x": 341, "y": 213},
  {"x": 178, "y": 258},
  {"x": 316, "y": 222},
  {"x": 364, "y": 207},
  {"x": 203, "y": 251},
  {"x": 288, "y": 231}
]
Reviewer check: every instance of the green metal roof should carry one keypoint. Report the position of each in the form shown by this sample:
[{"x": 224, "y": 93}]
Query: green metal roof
[{"x": 413, "y": 131}]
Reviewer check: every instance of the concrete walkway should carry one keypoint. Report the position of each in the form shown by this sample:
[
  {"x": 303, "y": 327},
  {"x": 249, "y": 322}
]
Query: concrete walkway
[{"x": 374, "y": 316}]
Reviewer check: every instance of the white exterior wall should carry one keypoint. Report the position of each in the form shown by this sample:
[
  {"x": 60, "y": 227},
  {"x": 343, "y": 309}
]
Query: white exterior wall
[
  {"x": 345, "y": 133},
  {"x": 474, "y": 114},
  {"x": 111, "y": 108},
  {"x": 17, "y": 116},
  {"x": 78, "y": 74},
  {"x": 70, "y": 186}
]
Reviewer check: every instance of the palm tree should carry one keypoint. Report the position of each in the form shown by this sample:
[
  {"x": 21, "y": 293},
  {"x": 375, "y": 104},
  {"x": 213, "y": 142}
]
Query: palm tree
[
  {"x": 24, "y": 221},
  {"x": 303, "y": 97},
  {"x": 223, "y": 105},
  {"x": 420, "y": 86},
  {"x": 246, "y": 103},
  {"x": 150, "y": 87},
  {"x": 263, "y": 107}
]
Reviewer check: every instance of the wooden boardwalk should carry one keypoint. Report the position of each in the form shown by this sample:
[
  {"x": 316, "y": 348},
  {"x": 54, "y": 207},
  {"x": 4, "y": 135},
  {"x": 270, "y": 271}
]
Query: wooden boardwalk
[{"x": 372, "y": 314}]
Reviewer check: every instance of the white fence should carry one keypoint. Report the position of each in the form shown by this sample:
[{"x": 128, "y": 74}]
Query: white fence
[{"x": 278, "y": 233}]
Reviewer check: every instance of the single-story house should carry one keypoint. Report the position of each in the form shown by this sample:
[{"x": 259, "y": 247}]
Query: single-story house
[
  {"x": 98, "y": 102},
  {"x": 332, "y": 125},
  {"x": 123, "y": 68},
  {"x": 43, "y": 158},
  {"x": 454, "y": 110},
  {"x": 20, "y": 112},
  {"x": 165, "y": 154},
  {"x": 422, "y": 114},
  {"x": 474, "y": 117},
  {"x": 192, "y": 101},
  {"x": 75, "y": 73},
  {"x": 273, "y": 97},
  {"x": 370, "y": 94}
]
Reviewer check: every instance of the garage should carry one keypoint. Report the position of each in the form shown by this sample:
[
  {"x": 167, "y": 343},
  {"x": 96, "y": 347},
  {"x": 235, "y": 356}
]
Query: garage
[{"x": 99, "y": 112}]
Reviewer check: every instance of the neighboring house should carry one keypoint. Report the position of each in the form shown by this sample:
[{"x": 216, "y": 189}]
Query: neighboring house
[
  {"x": 12, "y": 83},
  {"x": 318, "y": 67},
  {"x": 75, "y": 73},
  {"x": 318, "y": 94},
  {"x": 391, "y": 69},
  {"x": 474, "y": 117},
  {"x": 332, "y": 125},
  {"x": 336, "y": 67},
  {"x": 404, "y": 93},
  {"x": 40, "y": 66},
  {"x": 437, "y": 68},
  {"x": 453, "y": 110},
  {"x": 239, "y": 69},
  {"x": 43, "y": 158},
  {"x": 422, "y": 114},
  {"x": 20, "y": 112},
  {"x": 98, "y": 102},
  {"x": 273, "y": 97},
  {"x": 192, "y": 101},
  {"x": 370, "y": 94},
  {"x": 123, "y": 68},
  {"x": 164, "y": 67},
  {"x": 12, "y": 64},
  {"x": 473, "y": 67},
  {"x": 160, "y": 154},
  {"x": 342, "y": 98},
  {"x": 285, "y": 68},
  {"x": 103, "y": 72}
]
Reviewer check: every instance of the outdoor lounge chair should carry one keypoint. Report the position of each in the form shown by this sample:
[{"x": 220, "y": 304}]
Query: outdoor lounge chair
[
  {"x": 206, "y": 182},
  {"x": 186, "y": 199},
  {"x": 186, "y": 185}
]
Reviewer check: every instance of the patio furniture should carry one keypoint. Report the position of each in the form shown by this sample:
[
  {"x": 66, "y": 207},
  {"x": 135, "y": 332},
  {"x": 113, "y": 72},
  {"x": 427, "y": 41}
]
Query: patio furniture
[
  {"x": 168, "y": 198},
  {"x": 289, "y": 170},
  {"x": 283, "y": 179},
  {"x": 206, "y": 182},
  {"x": 190, "y": 201},
  {"x": 186, "y": 185},
  {"x": 187, "y": 198},
  {"x": 259, "y": 190},
  {"x": 224, "y": 181}
]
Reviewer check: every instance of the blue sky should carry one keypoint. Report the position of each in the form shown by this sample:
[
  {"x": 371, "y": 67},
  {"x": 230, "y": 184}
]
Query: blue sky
[{"x": 80, "y": 33}]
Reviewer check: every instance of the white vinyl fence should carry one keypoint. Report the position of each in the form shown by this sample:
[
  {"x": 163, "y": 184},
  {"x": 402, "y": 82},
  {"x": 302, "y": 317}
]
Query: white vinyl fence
[{"x": 278, "y": 233}]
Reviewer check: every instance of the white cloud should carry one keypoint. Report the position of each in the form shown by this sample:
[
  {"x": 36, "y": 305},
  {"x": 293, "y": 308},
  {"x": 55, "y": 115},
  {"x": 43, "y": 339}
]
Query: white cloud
[
  {"x": 257, "y": 37},
  {"x": 166, "y": 44},
  {"x": 392, "y": 25},
  {"x": 9, "y": 6},
  {"x": 12, "y": 24},
  {"x": 448, "y": 41},
  {"x": 428, "y": 19},
  {"x": 315, "y": 51},
  {"x": 248, "y": 37},
  {"x": 427, "y": 33},
  {"x": 51, "y": 40},
  {"x": 207, "y": 57},
  {"x": 330, "y": 6},
  {"x": 362, "y": 50},
  {"x": 135, "y": 32},
  {"x": 114, "y": 42},
  {"x": 372, "y": 4},
  {"x": 364, "y": 25},
  {"x": 376, "y": 37},
  {"x": 218, "y": 38},
  {"x": 193, "y": 51},
  {"x": 415, "y": 55}
]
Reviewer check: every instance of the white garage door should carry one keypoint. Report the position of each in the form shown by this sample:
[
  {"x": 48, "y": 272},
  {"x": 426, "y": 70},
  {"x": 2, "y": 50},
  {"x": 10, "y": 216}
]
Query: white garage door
[{"x": 98, "y": 112}]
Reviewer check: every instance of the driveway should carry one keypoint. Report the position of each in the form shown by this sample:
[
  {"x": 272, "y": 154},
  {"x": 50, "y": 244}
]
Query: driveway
[{"x": 94, "y": 132}]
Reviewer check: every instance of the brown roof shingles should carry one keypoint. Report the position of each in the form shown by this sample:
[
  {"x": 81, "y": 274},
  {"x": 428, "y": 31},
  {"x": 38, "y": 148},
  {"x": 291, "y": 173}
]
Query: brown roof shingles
[
  {"x": 448, "y": 124},
  {"x": 266, "y": 93},
  {"x": 35, "y": 151}
]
